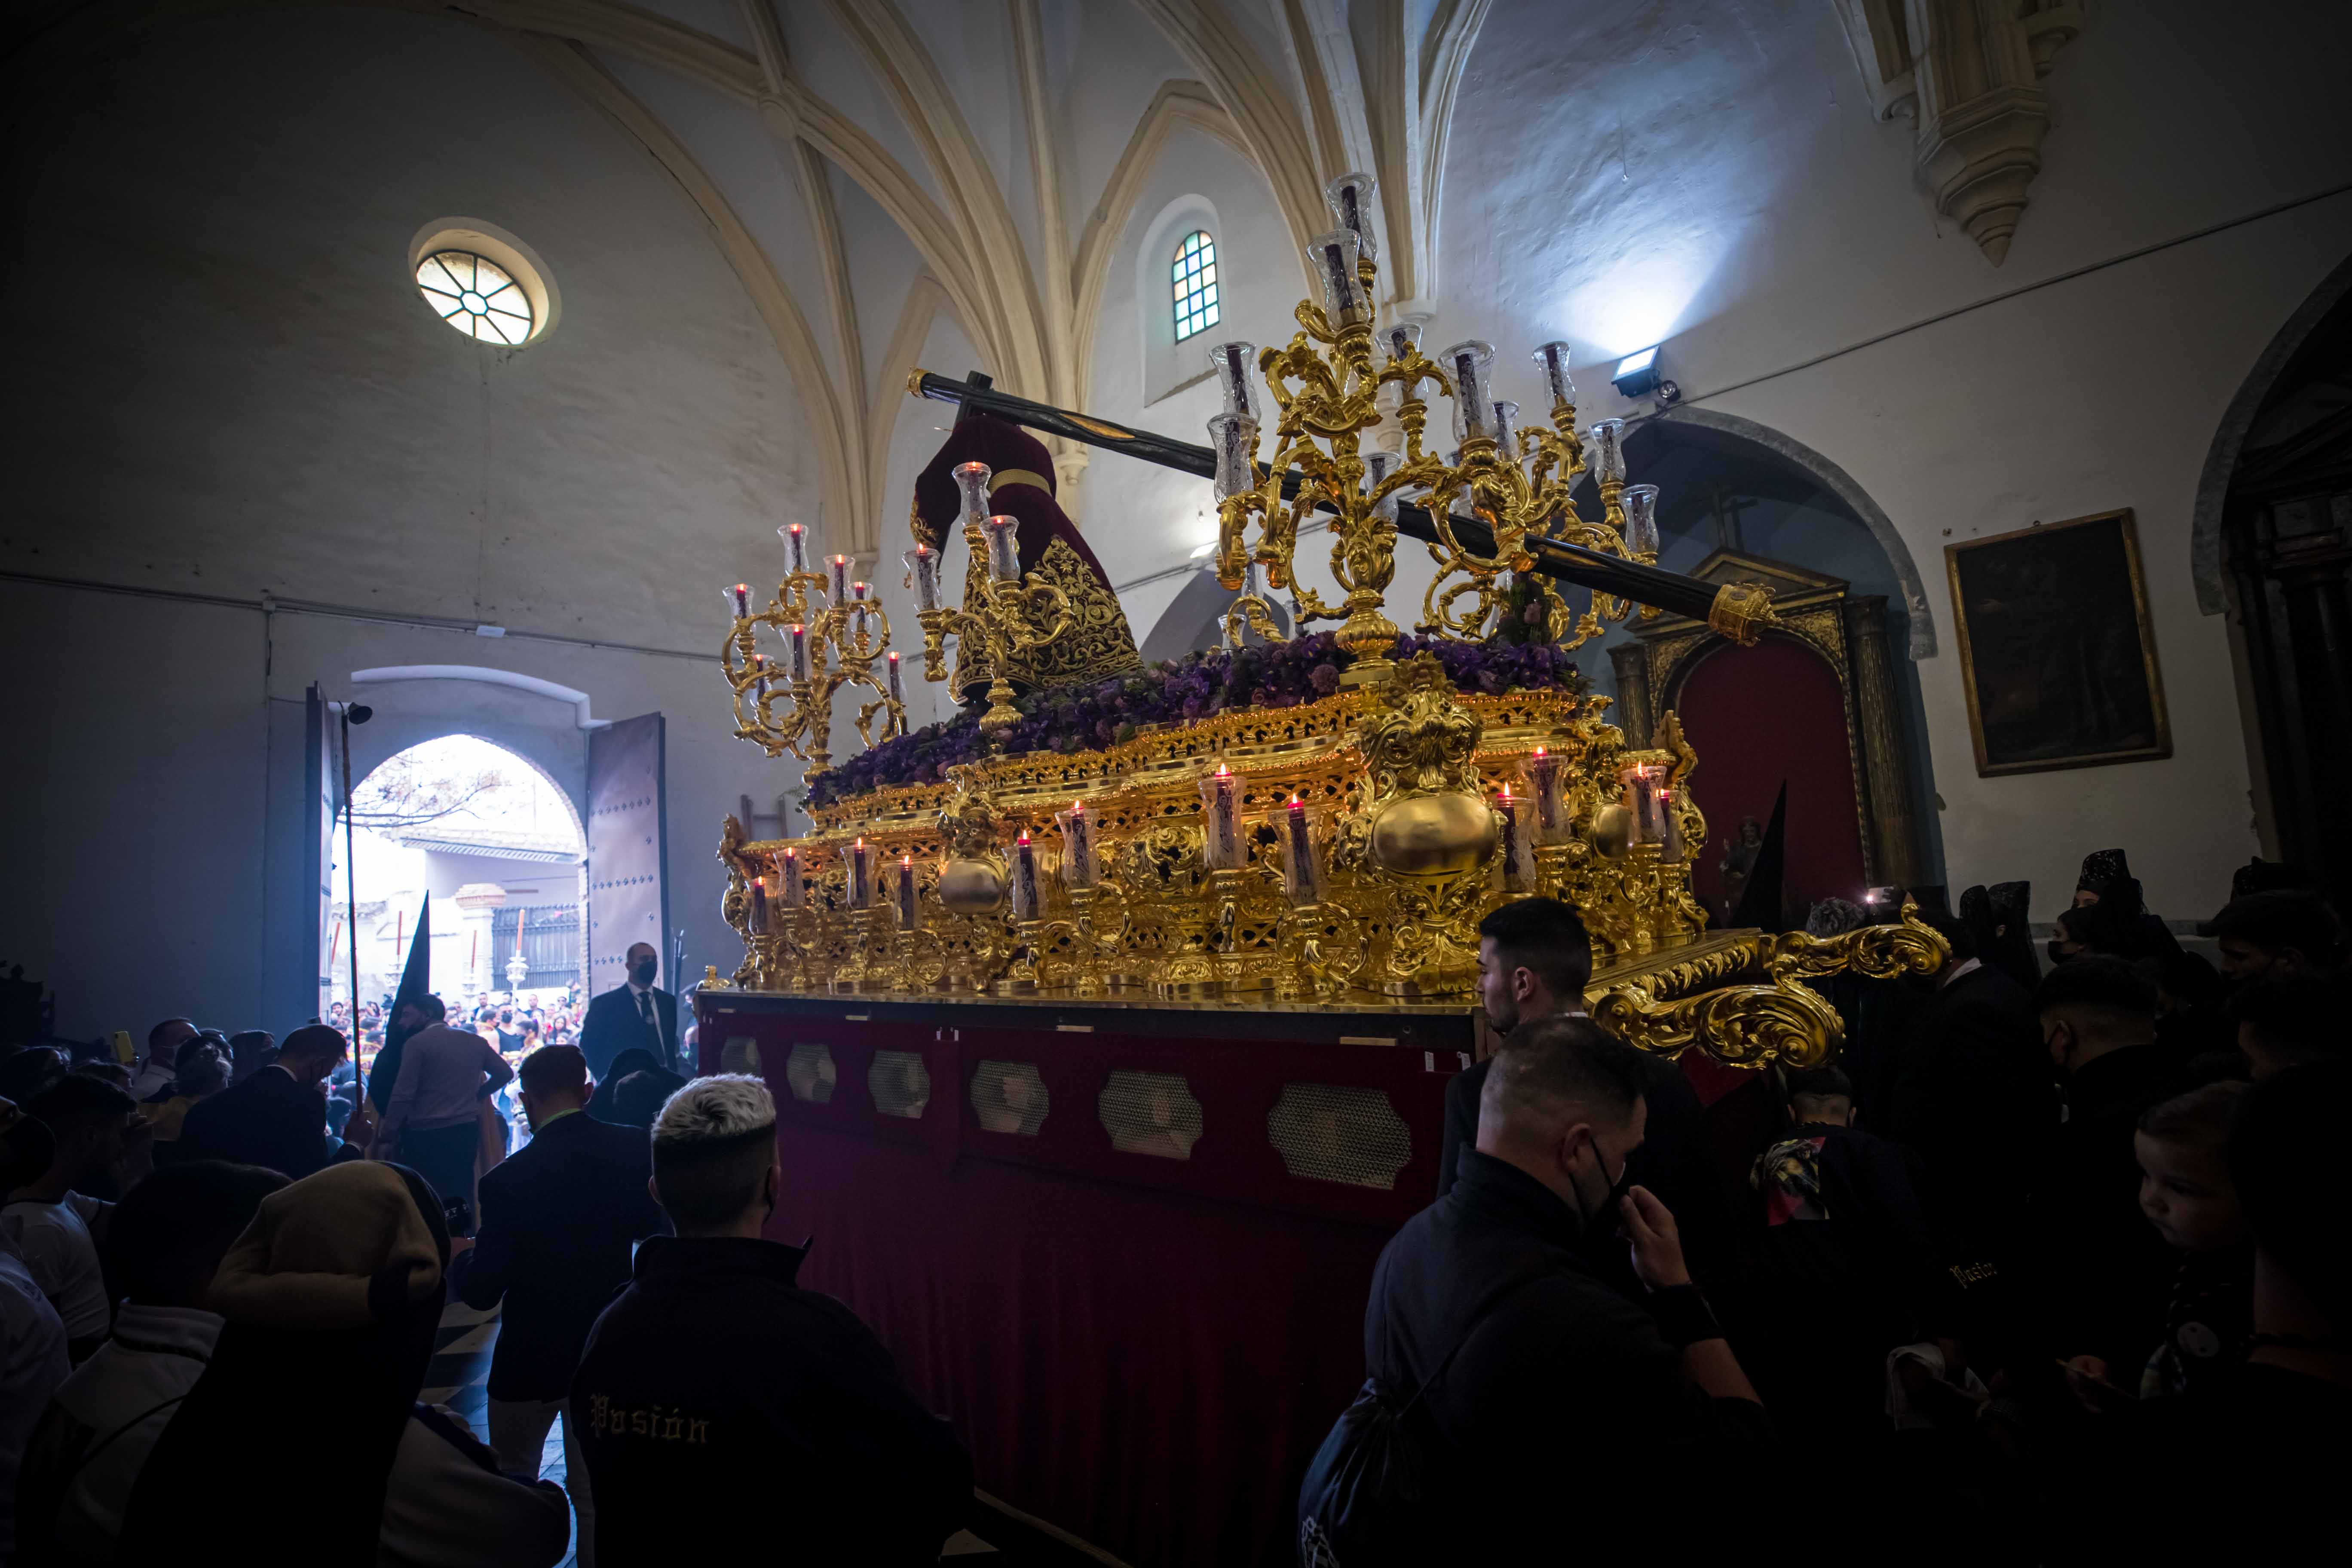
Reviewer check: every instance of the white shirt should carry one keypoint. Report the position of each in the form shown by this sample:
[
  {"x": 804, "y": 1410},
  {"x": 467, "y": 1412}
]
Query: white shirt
[
  {"x": 55, "y": 1242},
  {"x": 446, "y": 1502},
  {"x": 32, "y": 1364},
  {"x": 121, "y": 1397},
  {"x": 152, "y": 1077}
]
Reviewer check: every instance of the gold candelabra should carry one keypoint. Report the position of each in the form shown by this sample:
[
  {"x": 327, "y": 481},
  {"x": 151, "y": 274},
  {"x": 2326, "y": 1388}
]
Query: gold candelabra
[
  {"x": 1328, "y": 391},
  {"x": 1000, "y": 621},
  {"x": 834, "y": 632}
]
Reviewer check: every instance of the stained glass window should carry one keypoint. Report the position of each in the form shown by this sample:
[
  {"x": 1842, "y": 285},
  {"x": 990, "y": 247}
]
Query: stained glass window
[
  {"x": 1194, "y": 273},
  {"x": 476, "y": 297}
]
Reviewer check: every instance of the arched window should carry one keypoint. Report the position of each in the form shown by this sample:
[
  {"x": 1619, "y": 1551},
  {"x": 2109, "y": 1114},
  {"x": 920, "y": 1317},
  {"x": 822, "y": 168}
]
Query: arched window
[{"x": 1193, "y": 274}]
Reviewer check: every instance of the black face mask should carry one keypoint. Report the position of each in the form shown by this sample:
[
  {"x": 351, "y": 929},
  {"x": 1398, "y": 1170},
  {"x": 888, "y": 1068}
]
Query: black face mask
[
  {"x": 2055, "y": 955},
  {"x": 1617, "y": 1189},
  {"x": 643, "y": 971}
]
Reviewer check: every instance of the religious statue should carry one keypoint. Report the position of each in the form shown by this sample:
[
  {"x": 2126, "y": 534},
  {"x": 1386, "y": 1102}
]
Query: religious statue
[
  {"x": 1739, "y": 862},
  {"x": 1099, "y": 645}
]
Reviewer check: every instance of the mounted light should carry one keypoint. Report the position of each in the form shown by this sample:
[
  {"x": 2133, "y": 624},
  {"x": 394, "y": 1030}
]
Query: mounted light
[{"x": 1637, "y": 374}]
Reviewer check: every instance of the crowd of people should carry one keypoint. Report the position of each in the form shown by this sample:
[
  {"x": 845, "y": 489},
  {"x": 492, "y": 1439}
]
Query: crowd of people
[{"x": 2050, "y": 1260}]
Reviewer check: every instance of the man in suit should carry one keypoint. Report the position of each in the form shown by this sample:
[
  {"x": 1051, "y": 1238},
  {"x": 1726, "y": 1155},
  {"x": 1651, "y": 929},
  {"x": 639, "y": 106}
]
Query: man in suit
[
  {"x": 636, "y": 1014},
  {"x": 558, "y": 1220},
  {"x": 278, "y": 1118}
]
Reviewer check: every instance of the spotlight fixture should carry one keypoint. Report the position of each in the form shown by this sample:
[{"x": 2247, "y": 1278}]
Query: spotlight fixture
[
  {"x": 359, "y": 712},
  {"x": 1637, "y": 374}
]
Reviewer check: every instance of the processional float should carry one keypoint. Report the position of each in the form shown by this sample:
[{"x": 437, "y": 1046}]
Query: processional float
[{"x": 1327, "y": 826}]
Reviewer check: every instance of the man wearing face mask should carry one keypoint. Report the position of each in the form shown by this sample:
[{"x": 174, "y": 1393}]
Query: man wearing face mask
[
  {"x": 638, "y": 1013},
  {"x": 1532, "y": 1372},
  {"x": 716, "y": 1375}
]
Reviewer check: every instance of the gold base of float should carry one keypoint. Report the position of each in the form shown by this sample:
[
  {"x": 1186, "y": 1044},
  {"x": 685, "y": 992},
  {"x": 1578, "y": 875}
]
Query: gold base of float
[{"x": 1409, "y": 852}]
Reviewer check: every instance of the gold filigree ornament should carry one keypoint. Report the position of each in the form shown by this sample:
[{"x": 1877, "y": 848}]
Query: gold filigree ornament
[
  {"x": 832, "y": 635},
  {"x": 1004, "y": 615}
]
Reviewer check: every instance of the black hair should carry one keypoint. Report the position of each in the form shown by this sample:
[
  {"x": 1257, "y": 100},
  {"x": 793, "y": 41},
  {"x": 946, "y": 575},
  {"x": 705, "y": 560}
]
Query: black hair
[
  {"x": 1819, "y": 1083},
  {"x": 2098, "y": 980},
  {"x": 2291, "y": 1179},
  {"x": 2299, "y": 1017},
  {"x": 1957, "y": 933},
  {"x": 77, "y": 1097},
  {"x": 155, "y": 1035},
  {"x": 203, "y": 1071},
  {"x": 554, "y": 1069},
  {"x": 638, "y": 1098},
  {"x": 170, "y": 1231},
  {"x": 312, "y": 1041},
  {"x": 2202, "y": 1115},
  {"x": 1547, "y": 937},
  {"x": 1568, "y": 1062},
  {"x": 2281, "y": 919}
]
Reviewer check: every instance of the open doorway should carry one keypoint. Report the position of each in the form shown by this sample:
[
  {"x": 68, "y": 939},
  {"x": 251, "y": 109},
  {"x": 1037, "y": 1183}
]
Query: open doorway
[{"x": 499, "y": 850}]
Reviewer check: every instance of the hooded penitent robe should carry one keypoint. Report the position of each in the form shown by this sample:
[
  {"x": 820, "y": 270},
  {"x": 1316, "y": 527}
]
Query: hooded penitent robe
[{"x": 1098, "y": 646}]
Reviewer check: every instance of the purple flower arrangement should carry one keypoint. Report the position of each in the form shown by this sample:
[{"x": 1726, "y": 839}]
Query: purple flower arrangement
[{"x": 1090, "y": 718}]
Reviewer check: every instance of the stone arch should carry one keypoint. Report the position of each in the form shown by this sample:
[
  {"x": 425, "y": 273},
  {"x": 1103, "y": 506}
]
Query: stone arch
[
  {"x": 2229, "y": 438},
  {"x": 1731, "y": 428},
  {"x": 540, "y": 722}
]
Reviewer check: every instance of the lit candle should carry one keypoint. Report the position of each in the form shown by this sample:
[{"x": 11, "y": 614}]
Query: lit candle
[
  {"x": 759, "y": 906},
  {"x": 1672, "y": 828},
  {"x": 840, "y": 578},
  {"x": 1024, "y": 879},
  {"x": 898, "y": 692},
  {"x": 795, "y": 890},
  {"x": 1004, "y": 548},
  {"x": 1222, "y": 824},
  {"x": 909, "y": 915},
  {"x": 1642, "y": 805},
  {"x": 861, "y": 876},
  {"x": 796, "y": 640},
  {"x": 1551, "y": 812},
  {"x": 927, "y": 577},
  {"x": 759, "y": 668},
  {"x": 741, "y": 596},
  {"x": 1305, "y": 885},
  {"x": 1078, "y": 847},
  {"x": 972, "y": 478},
  {"x": 795, "y": 547}
]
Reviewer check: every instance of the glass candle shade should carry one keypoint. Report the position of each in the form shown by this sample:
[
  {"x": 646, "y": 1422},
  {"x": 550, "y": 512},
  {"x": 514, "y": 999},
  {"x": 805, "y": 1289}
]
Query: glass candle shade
[
  {"x": 1605, "y": 444},
  {"x": 1471, "y": 364},
  {"x": 1350, "y": 196},
  {"x": 1671, "y": 828},
  {"x": 760, "y": 676},
  {"x": 971, "y": 483},
  {"x": 1640, "y": 504},
  {"x": 1221, "y": 820},
  {"x": 1005, "y": 548},
  {"x": 759, "y": 906},
  {"x": 795, "y": 882},
  {"x": 796, "y": 646},
  {"x": 1025, "y": 902},
  {"x": 1377, "y": 465},
  {"x": 1333, "y": 254},
  {"x": 1078, "y": 835},
  {"x": 910, "y": 914},
  {"x": 1506, "y": 428},
  {"x": 1515, "y": 866},
  {"x": 1234, "y": 439},
  {"x": 1550, "y": 807},
  {"x": 795, "y": 540},
  {"x": 841, "y": 579},
  {"x": 860, "y": 858},
  {"x": 739, "y": 598},
  {"x": 1642, "y": 784},
  {"x": 1551, "y": 359},
  {"x": 923, "y": 566},
  {"x": 1401, "y": 340},
  {"x": 1304, "y": 878},
  {"x": 896, "y": 688},
  {"x": 1234, "y": 364}
]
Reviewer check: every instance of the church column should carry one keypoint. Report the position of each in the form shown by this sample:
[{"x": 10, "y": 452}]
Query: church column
[{"x": 1894, "y": 841}]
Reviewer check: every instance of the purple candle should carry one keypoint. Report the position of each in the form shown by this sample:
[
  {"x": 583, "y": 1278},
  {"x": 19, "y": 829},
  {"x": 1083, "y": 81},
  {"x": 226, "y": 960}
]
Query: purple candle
[
  {"x": 1024, "y": 879},
  {"x": 796, "y": 638},
  {"x": 898, "y": 692},
  {"x": 759, "y": 906},
  {"x": 1305, "y": 886},
  {"x": 741, "y": 596},
  {"x": 795, "y": 547},
  {"x": 927, "y": 577},
  {"x": 795, "y": 890},
  {"x": 909, "y": 916},
  {"x": 840, "y": 578}
]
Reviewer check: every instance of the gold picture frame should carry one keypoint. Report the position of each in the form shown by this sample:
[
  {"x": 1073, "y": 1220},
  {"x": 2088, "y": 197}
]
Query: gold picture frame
[{"x": 2057, "y": 653}]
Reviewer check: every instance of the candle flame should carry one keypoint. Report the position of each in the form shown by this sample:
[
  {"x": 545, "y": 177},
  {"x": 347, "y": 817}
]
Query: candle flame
[
  {"x": 796, "y": 528},
  {"x": 1025, "y": 837},
  {"x": 894, "y": 657},
  {"x": 1297, "y": 803},
  {"x": 906, "y": 862},
  {"x": 792, "y": 854},
  {"x": 841, "y": 560},
  {"x": 1539, "y": 750},
  {"x": 1224, "y": 772},
  {"x": 798, "y": 629},
  {"x": 861, "y": 842},
  {"x": 1507, "y": 794}
]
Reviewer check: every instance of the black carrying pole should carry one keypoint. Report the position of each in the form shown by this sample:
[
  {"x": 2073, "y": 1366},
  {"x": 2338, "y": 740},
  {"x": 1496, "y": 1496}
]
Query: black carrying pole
[{"x": 1669, "y": 591}]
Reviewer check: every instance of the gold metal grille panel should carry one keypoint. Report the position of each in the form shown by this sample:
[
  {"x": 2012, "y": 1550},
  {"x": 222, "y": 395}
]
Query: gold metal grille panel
[
  {"x": 1010, "y": 1097},
  {"x": 1151, "y": 1114},
  {"x": 1340, "y": 1132},
  {"x": 900, "y": 1084}
]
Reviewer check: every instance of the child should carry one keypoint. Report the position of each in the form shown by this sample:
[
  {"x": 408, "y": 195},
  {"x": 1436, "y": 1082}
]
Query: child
[{"x": 2186, "y": 1193}]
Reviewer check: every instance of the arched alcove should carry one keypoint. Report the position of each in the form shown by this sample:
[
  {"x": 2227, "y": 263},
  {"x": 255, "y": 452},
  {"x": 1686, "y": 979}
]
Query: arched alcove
[
  {"x": 1171, "y": 363},
  {"x": 1195, "y": 619}
]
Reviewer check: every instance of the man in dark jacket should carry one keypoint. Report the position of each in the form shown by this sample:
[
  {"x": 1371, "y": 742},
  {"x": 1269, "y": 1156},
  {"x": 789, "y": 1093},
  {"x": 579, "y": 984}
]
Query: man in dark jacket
[
  {"x": 278, "y": 1118},
  {"x": 559, "y": 1219},
  {"x": 1535, "y": 960},
  {"x": 1532, "y": 1374},
  {"x": 637, "y": 1013},
  {"x": 2101, "y": 1268},
  {"x": 716, "y": 1376}
]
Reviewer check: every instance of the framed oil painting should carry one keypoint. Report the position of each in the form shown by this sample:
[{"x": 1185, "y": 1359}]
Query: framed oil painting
[{"x": 2056, "y": 652}]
